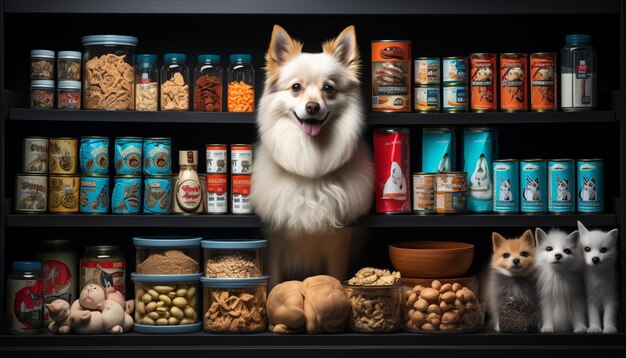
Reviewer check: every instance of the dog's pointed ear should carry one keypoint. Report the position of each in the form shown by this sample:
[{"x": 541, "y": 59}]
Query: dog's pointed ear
[
  {"x": 582, "y": 229},
  {"x": 282, "y": 47},
  {"x": 529, "y": 238},
  {"x": 540, "y": 236},
  {"x": 344, "y": 48},
  {"x": 497, "y": 240}
]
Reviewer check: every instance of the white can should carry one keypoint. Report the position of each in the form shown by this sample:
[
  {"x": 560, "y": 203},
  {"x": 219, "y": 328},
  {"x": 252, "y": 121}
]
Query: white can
[
  {"x": 241, "y": 158},
  {"x": 35, "y": 155},
  {"x": 216, "y": 193},
  {"x": 240, "y": 185},
  {"x": 31, "y": 193},
  {"x": 216, "y": 158}
]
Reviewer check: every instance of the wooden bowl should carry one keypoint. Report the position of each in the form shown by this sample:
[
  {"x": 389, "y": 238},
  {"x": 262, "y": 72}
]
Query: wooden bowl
[
  {"x": 470, "y": 282},
  {"x": 431, "y": 259}
]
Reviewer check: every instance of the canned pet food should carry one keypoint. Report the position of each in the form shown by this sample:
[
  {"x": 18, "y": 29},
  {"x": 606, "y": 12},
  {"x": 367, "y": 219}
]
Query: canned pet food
[
  {"x": 542, "y": 81},
  {"x": 241, "y": 158},
  {"x": 438, "y": 150},
  {"x": 216, "y": 158},
  {"x": 533, "y": 176},
  {"x": 424, "y": 185},
  {"x": 126, "y": 197},
  {"x": 427, "y": 99},
  {"x": 62, "y": 155},
  {"x": 31, "y": 193},
  {"x": 451, "y": 189},
  {"x": 240, "y": 187},
  {"x": 427, "y": 71},
  {"x": 94, "y": 155},
  {"x": 216, "y": 193},
  {"x": 25, "y": 298},
  {"x": 454, "y": 70},
  {"x": 63, "y": 194},
  {"x": 391, "y": 163},
  {"x": 128, "y": 155},
  {"x": 484, "y": 97},
  {"x": 157, "y": 198},
  {"x": 391, "y": 76},
  {"x": 94, "y": 194},
  {"x": 513, "y": 82},
  {"x": 479, "y": 151},
  {"x": 157, "y": 156},
  {"x": 506, "y": 190},
  {"x": 455, "y": 98},
  {"x": 36, "y": 155},
  {"x": 561, "y": 181},
  {"x": 103, "y": 265},
  {"x": 590, "y": 185}
]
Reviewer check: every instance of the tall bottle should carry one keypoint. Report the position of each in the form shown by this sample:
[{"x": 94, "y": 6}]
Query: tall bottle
[
  {"x": 578, "y": 74},
  {"x": 188, "y": 188}
]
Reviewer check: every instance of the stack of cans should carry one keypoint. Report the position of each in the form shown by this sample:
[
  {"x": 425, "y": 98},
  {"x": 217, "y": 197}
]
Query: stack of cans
[{"x": 454, "y": 77}]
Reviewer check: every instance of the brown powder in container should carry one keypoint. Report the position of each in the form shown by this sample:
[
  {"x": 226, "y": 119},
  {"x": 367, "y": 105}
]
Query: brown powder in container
[{"x": 170, "y": 262}]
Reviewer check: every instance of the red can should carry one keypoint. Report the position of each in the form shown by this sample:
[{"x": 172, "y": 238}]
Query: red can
[
  {"x": 216, "y": 193},
  {"x": 391, "y": 162}
]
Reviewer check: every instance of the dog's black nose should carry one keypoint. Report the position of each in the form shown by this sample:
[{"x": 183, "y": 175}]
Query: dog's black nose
[
  {"x": 595, "y": 260},
  {"x": 558, "y": 256},
  {"x": 312, "y": 107},
  {"x": 515, "y": 262}
]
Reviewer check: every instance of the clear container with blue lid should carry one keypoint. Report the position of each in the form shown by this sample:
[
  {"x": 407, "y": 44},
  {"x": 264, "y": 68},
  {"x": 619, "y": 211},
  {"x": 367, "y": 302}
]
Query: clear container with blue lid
[
  {"x": 166, "y": 255},
  {"x": 234, "y": 258}
]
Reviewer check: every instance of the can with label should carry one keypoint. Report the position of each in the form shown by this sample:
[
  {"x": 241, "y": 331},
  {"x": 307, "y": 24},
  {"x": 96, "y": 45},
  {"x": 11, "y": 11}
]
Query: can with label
[
  {"x": 35, "y": 155},
  {"x": 454, "y": 71},
  {"x": 455, "y": 98},
  {"x": 561, "y": 184},
  {"x": 94, "y": 155},
  {"x": 25, "y": 298},
  {"x": 241, "y": 158},
  {"x": 533, "y": 178},
  {"x": 479, "y": 151},
  {"x": 484, "y": 97},
  {"x": 128, "y": 155},
  {"x": 59, "y": 272},
  {"x": 427, "y": 71},
  {"x": 157, "y": 156},
  {"x": 31, "y": 193},
  {"x": 94, "y": 194},
  {"x": 216, "y": 193},
  {"x": 216, "y": 158},
  {"x": 424, "y": 185},
  {"x": 391, "y": 76},
  {"x": 126, "y": 196},
  {"x": 451, "y": 189},
  {"x": 63, "y": 193},
  {"x": 427, "y": 98},
  {"x": 240, "y": 187},
  {"x": 157, "y": 196},
  {"x": 391, "y": 164},
  {"x": 506, "y": 188},
  {"x": 63, "y": 155},
  {"x": 103, "y": 265},
  {"x": 543, "y": 81},
  {"x": 438, "y": 150},
  {"x": 590, "y": 185},
  {"x": 513, "y": 82}
]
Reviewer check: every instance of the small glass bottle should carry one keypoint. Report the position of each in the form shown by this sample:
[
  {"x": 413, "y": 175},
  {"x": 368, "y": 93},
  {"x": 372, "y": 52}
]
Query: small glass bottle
[
  {"x": 41, "y": 65},
  {"x": 69, "y": 65},
  {"x": 207, "y": 90},
  {"x": 104, "y": 265},
  {"x": 240, "y": 83},
  {"x": 188, "y": 189},
  {"x": 146, "y": 83},
  {"x": 25, "y": 298},
  {"x": 42, "y": 94},
  {"x": 174, "y": 83},
  {"x": 578, "y": 74},
  {"x": 68, "y": 94}
]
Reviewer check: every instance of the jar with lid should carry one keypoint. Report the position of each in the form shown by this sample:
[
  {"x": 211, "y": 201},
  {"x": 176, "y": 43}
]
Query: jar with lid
[
  {"x": 41, "y": 65},
  {"x": 174, "y": 83},
  {"x": 69, "y": 65},
  {"x": 146, "y": 83},
  {"x": 68, "y": 94},
  {"x": 25, "y": 298},
  {"x": 187, "y": 187},
  {"x": 103, "y": 265},
  {"x": 113, "y": 56},
  {"x": 240, "y": 78},
  {"x": 59, "y": 265},
  {"x": 207, "y": 90},
  {"x": 578, "y": 74},
  {"x": 42, "y": 94}
]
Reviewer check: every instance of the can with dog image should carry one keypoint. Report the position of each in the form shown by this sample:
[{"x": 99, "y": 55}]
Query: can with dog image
[
  {"x": 560, "y": 184},
  {"x": 216, "y": 158},
  {"x": 533, "y": 178},
  {"x": 590, "y": 185},
  {"x": 506, "y": 188},
  {"x": 391, "y": 165},
  {"x": 424, "y": 185},
  {"x": 391, "y": 76},
  {"x": 438, "y": 150},
  {"x": 241, "y": 158},
  {"x": 479, "y": 151}
]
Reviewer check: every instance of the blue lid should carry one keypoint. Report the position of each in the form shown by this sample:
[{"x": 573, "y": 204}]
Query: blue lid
[
  {"x": 577, "y": 38},
  {"x": 209, "y": 58},
  {"x": 42, "y": 84},
  {"x": 179, "y": 57},
  {"x": 240, "y": 57},
  {"x": 109, "y": 40},
  {"x": 186, "y": 278},
  {"x": 26, "y": 266},
  {"x": 67, "y": 84},
  {"x": 144, "y": 57},
  {"x": 74, "y": 55},
  {"x": 233, "y": 244},
  {"x": 180, "y": 328},
  {"x": 167, "y": 241},
  {"x": 234, "y": 282},
  {"x": 42, "y": 53}
]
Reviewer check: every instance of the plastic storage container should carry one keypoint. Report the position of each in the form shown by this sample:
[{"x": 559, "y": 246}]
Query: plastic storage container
[
  {"x": 208, "y": 79},
  {"x": 42, "y": 94},
  {"x": 240, "y": 79},
  {"x": 41, "y": 65},
  {"x": 375, "y": 309},
  {"x": 69, "y": 65},
  {"x": 68, "y": 94},
  {"x": 174, "y": 83},
  {"x": 167, "y": 255},
  {"x": 234, "y": 305},
  {"x": 25, "y": 298},
  {"x": 166, "y": 303},
  {"x": 234, "y": 258},
  {"x": 146, "y": 83},
  {"x": 579, "y": 90}
]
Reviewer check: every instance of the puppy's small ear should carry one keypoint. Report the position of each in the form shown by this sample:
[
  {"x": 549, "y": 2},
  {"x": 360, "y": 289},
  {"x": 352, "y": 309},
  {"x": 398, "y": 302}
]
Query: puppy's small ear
[
  {"x": 573, "y": 237},
  {"x": 582, "y": 229},
  {"x": 344, "y": 48},
  {"x": 613, "y": 234},
  {"x": 540, "y": 235},
  {"x": 497, "y": 240},
  {"x": 282, "y": 47},
  {"x": 527, "y": 236}
]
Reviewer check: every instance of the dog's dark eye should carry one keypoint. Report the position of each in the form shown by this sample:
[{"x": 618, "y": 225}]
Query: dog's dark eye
[
  {"x": 329, "y": 89},
  {"x": 524, "y": 254},
  {"x": 567, "y": 251},
  {"x": 549, "y": 248},
  {"x": 296, "y": 87},
  {"x": 603, "y": 250},
  {"x": 506, "y": 256},
  {"x": 587, "y": 248}
]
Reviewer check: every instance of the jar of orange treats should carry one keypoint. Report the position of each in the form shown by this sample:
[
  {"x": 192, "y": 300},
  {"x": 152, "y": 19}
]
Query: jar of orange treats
[{"x": 240, "y": 78}]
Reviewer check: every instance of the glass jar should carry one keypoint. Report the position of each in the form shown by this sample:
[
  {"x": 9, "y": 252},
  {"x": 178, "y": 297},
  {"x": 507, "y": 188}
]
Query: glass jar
[
  {"x": 174, "y": 83},
  {"x": 146, "y": 83},
  {"x": 68, "y": 94},
  {"x": 578, "y": 74},
  {"x": 234, "y": 258},
  {"x": 207, "y": 90},
  {"x": 25, "y": 298},
  {"x": 69, "y": 65},
  {"x": 108, "y": 72},
  {"x": 174, "y": 255},
  {"x": 240, "y": 78},
  {"x": 103, "y": 265},
  {"x": 41, "y": 65},
  {"x": 59, "y": 264},
  {"x": 42, "y": 94},
  {"x": 386, "y": 317}
]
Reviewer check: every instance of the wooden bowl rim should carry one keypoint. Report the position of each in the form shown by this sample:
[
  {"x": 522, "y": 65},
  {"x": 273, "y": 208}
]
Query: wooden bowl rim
[{"x": 460, "y": 246}]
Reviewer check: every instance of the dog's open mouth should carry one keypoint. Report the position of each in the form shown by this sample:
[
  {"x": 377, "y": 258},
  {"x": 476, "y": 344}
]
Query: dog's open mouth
[{"x": 311, "y": 127}]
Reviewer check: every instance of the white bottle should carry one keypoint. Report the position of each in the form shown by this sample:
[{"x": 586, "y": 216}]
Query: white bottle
[{"x": 188, "y": 187}]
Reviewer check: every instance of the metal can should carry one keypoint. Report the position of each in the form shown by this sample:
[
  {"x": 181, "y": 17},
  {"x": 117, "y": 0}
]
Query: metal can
[
  {"x": 216, "y": 193},
  {"x": 391, "y": 164},
  {"x": 216, "y": 158},
  {"x": 241, "y": 158},
  {"x": 157, "y": 156},
  {"x": 534, "y": 178},
  {"x": 560, "y": 183},
  {"x": 126, "y": 196},
  {"x": 157, "y": 196},
  {"x": 455, "y": 98},
  {"x": 543, "y": 81},
  {"x": 63, "y": 194},
  {"x": 506, "y": 188},
  {"x": 35, "y": 155},
  {"x": 25, "y": 298},
  {"x": 240, "y": 187},
  {"x": 427, "y": 71},
  {"x": 451, "y": 189},
  {"x": 31, "y": 193},
  {"x": 484, "y": 96},
  {"x": 590, "y": 185},
  {"x": 391, "y": 76},
  {"x": 424, "y": 185},
  {"x": 438, "y": 150},
  {"x": 59, "y": 271},
  {"x": 128, "y": 155},
  {"x": 427, "y": 99},
  {"x": 103, "y": 265},
  {"x": 513, "y": 82},
  {"x": 94, "y": 155},
  {"x": 454, "y": 71},
  {"x": 94, "y": 194},
  {"x": 479, "y": 151},
  {"x": 62, "y": 156}
]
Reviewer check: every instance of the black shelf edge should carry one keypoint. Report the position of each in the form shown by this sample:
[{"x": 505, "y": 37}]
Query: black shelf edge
[{"x": 489, "y": 220}]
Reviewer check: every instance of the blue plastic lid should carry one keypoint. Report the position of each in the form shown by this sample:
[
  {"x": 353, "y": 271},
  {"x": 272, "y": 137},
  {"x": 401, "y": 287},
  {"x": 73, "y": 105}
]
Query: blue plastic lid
[
  {"x": 144, "y": 57},
  {"x": 233, "y": 244},
  {"x": 179, "y": 57},
  {"x": 74, "y": 55},
  {"x": 186, "y": 278},
  {"x": 577, "y": 38},
  {"x": 167, "y": 241},
  {"x": 240, "y": 57},
  {"x": 26, "y": 266},
  {"x": 209, "y": 58},
  {"x": 234, "y": 282},
  {"x": 179, "y": 328},
  {"x": 109, "y": 40},
  {"x": 42, "y": 53}
]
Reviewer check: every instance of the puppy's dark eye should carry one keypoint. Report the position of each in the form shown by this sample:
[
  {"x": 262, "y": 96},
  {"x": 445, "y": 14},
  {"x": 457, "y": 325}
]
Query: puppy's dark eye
[
  {"x": 506, "y": 256},
  {"x": 603, "y": 250},
  {"x": 549, "y": 248},
  {"x": 329, "y": 89},
  {"x": 296, "y": 87},
  {"x": 567, "y": 251},
  {"x": 587, "y": 248},
  {"x": 524, "y": 254}
]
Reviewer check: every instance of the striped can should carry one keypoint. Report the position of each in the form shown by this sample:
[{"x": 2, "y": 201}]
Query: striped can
[
  {"x": 506, "y": 186},
  {"x": 590, "y": 185},
  {"x": 560, "y": 186},
  {"x": 534, "y": 193}
]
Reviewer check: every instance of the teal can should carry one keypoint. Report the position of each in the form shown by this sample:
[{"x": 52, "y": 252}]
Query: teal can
[
  {"x": 506, "y": 188},
  {"x": 94, "y": 194},
  {"x": 157, "y": 197},
  {"x": 479, "y": 151},
  {"x": 561, "y": 186},
  {"x": 534, "y": 190},
  {"x": 126, "y": 197},
  {"x": 94, "y": 155},
  {"x": 157, "y": 156},
  {"x": 590, "y": 185},
  {"x": 128, "y": 155},
  {"x": 438, "y": 150}
]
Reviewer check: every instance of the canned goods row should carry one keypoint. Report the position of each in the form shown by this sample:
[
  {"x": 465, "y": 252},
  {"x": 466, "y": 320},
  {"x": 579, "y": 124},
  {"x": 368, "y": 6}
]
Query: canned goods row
[
  {"x": 240, "y": 158},
  {"x": 441, "y": 193}
]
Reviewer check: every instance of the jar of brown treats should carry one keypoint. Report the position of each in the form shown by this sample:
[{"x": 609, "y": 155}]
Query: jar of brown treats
[
  {"x": 69, "y": 65},
  {"x": 208, "y": 78},
  {"x": 41, "y": 65}
]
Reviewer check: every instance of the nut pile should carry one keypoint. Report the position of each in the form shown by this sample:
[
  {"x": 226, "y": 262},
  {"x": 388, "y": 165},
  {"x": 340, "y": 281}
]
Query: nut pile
[
  {"x": 164, "y": 305},
  {"x": 175, "y": 94},
  {"x": 232, "y": 265},
  {"x": 146, "y": 96},
  {"x": 369, "y": 276},
  {"x": 109, "y": 83},
  {"x": 236, "y": 310}
]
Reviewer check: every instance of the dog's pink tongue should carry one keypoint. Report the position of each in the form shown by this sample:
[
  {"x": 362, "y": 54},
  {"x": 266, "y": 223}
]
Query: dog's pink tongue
[{"x": 311, "y": 129}]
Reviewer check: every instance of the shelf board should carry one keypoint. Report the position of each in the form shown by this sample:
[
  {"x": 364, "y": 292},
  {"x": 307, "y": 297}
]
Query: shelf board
[{"x": 489, "y": 220}]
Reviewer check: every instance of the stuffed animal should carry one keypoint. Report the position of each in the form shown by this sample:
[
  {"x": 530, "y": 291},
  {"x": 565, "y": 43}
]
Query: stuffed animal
[
  {"x": 59, "y": 311},
  {"x": 285, "y": 308}
]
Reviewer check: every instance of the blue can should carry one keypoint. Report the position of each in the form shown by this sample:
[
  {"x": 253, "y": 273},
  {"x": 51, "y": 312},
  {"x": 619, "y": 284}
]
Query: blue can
[
  {"x": 438, "y": 153},
  {"x": 479, "y": 151},
  {"x": 561, "y": 186},
  {"x": 94, "y": 155},
  {"x": 94, "y": 194},
  {"x": 590, "y": 185},
  {"x": 126, "y": 197},
  {"x": 533, "y": 187},
  {"x": 157, "y": 198},
  {"x": 506, "y": 188},
  {"x": 157, "y": 156},
  {"x": 128, "y": 155}
]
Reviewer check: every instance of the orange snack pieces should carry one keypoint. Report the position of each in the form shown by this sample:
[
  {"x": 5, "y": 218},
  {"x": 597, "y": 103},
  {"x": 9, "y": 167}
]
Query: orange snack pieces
[{"x": 240, "y": 97}]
